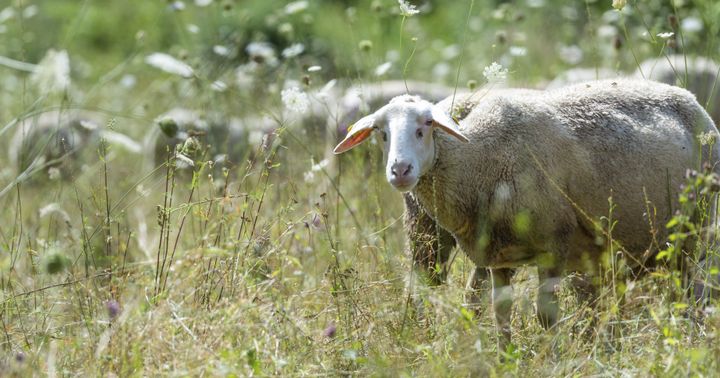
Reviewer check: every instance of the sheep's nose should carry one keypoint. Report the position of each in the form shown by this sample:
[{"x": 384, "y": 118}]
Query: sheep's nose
[{"x": 401, "y": 170}]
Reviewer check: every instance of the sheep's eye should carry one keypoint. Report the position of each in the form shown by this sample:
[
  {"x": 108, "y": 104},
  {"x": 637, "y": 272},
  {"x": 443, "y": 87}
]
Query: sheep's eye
[
  {"x": 428, "y": 122},
  {"x": 419, "y": 133}
]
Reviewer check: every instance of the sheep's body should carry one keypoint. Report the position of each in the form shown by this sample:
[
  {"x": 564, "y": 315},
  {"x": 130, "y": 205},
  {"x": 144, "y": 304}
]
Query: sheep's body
[
  {"x": 553, "y": 158},
  {"x": 53, "y": 139},
  {"x": 698, "y": 74},
  {"x": 228, "y": 138}
]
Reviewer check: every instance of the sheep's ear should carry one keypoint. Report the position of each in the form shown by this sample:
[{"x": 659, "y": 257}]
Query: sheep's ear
[
  {"x": 357, "y": 133},
  {"x": 442, "y": 120}
]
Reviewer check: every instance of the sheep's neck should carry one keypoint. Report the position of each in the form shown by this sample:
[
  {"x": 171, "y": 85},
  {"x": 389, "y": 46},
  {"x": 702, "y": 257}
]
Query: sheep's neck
[{"x": 438, "y": 193}]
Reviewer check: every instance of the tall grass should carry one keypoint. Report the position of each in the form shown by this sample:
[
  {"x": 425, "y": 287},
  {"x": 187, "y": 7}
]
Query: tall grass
[{"x": 263, "y": 264}]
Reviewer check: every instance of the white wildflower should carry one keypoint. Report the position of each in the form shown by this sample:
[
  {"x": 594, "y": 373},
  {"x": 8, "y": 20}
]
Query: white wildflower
[
  {"x": 407, "y": 9},
  {"x": 7, "y": 14},
  {"x": 54, "y": 173},
  {"x": 30, "y": 11},
  {"x": 707, "y": 138},
  {"x": 619, "y": 4},
  {"x": 383, "y": 69},
  {"x": 221, "y": 50},
  {"x": 293, "y": 50},
  {"x": 495, "y": 73},
  {"x": 177, "y": 5},
  {"x": 691, "y": 25},
  {"x": 261, "y": 52},
  {"x": 309, "y": 176},
  {"x": 295, "y": 100},
  {"x": 450, "y": 52},
  {"x": 607, "y": 31},
  {"x": 296, "y": 7},
  {"x": 128, "y": 81},
  {"x": 169, "y": 64},
  {"x": 203, "y": 3},
  {"x": 665, "y": 35},
  {"x": 218, "y": 86},
  {"x": 314, "y": 68},
  {"x": 518, "y": 51},
  {"x": 52, "y": 74},
  {"x": 441, "y": 70},
  {"x": 193, "y": 29},
  {"x": 571, "y": 54},
  {"x": 319, "y": 166},
  {"x": 535, "y": 3},
  {"x": 142, "y": 191}
]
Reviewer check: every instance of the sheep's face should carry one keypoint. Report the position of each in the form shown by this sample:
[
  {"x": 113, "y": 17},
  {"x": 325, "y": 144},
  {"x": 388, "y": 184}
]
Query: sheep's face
[{"x": 404, "y": 127}]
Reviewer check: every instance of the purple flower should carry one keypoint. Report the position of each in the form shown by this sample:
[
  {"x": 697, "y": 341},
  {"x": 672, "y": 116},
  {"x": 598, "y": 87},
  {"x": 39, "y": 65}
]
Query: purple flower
[
  {"x": 113, "y": 308},
  {"x": 330, "y": 331}
]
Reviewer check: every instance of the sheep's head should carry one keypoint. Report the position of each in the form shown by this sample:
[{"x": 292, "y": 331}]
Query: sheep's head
[{"x": 404, "y": 127}]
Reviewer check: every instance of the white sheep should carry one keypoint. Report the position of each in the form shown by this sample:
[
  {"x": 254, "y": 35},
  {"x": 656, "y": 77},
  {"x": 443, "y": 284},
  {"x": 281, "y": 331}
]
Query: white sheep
[
  {"x": 63, "y": 140},
  {"x": 699, "y": 75},
  {"x": 525, "y": 174}
]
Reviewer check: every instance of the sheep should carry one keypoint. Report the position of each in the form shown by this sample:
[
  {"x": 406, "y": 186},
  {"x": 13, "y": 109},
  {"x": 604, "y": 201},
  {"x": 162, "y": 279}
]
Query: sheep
[
  {"x": 227, "y": 138},
  {"x": 523, "y": 176},
  {"x": 59, "y": 140},
  {"x": 429, "y": 245},
  {"x": 699, "y": 75}
]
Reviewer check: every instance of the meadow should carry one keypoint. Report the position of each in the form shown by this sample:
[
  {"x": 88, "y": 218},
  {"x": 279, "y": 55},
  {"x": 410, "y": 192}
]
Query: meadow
[{"x": 263, "y": 254}]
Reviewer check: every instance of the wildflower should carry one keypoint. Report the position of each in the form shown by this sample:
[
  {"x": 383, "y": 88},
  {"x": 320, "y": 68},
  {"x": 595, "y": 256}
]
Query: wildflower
[
  {"x": 128, "y": 81},
  {"x": 383, "y": 69},
  {"x": 113, "y": 308},
  {"x": 619, "y": 4},
  {"x": 221, "y": 50},
  {"x": 314, "y": 68},
  {"x": 52, "y": 74},
  {"x": 518, "y": 51},
  {"x": 295, "y": 100},
  {"x": 192, "y": 28},
  {"x": 707, "y": 138},
  {"x": 218, "y": 86},
  {"x": 54, "y": 173},
  {"x": 330, "y": 331},
  {"x": 296, "y": 7},
  {"x": 293, "y": 50},
  {"x": 169, "y": 64},
  {"x": 30, "y": 11},
  {"x": 571, "y": 54},
  {"x": 495, "y": 73},
  {"x": 665, "y": 35},
  {"x": 177, "y": 5},
  {"x": 692, "y": 25},
  {"x": 261, "y": 52},
  {"x": 406, "y": 9}
]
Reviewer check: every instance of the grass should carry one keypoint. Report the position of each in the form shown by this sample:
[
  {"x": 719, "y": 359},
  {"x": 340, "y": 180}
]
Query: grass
[{"x": 266, "y": 265}]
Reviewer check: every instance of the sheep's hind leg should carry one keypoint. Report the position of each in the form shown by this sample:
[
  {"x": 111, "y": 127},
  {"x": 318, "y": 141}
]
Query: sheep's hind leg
[
  {"x": 548, "y": 308},
  {"x": 502, "y": 299}
]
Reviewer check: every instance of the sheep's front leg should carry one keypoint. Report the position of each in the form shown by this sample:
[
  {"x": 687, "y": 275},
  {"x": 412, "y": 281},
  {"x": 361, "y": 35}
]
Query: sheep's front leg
[
  {"x": 476, "y": 288},
  {"x": 548, "y": 308},
  {"x": 502, "y": 297}
]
